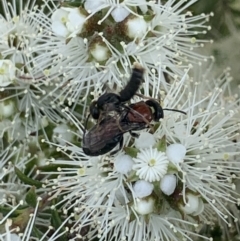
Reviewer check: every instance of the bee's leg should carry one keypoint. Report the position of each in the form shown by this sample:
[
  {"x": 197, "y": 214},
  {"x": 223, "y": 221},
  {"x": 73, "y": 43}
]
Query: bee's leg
[
  {"x": 120, "y": 147},
  {"x": 133, "y": 134},
  {"x": 119, "y": 126},
  {"x": 146, "y": 97}
]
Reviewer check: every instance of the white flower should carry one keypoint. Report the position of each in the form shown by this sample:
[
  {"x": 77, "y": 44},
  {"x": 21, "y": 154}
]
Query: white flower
[
  {"x": 21, "y": 227},
  {"x": 7, "y": 72},
  {"x": 22, "y": 32},
  {"x": 27, "y": 45},
  {"x": 93, "y": 5},
  {"x": 67, "y": 21},
  {"x": 150, "y": 164},
  {"x": 105, "y": 52},
  {"x": 205, "y": 138},
  {"x": 118, "y": 11},
  {"x": 96, "y": 185},
  {"x": 101, "y": 197},
  {"x": 59, "y": 20}
]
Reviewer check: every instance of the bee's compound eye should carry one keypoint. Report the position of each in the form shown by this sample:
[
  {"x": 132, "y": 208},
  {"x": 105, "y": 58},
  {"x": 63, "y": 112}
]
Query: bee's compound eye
[
  {"x": 158, "y": 111},
  {"x": 94, "y": 111}
]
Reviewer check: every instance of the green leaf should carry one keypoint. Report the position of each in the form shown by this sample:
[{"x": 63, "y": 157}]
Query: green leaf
[
  {"x": 31, "y": 197},
  {"x": 149, "y": 17},
  {"x": 51, "y": 167},
  {"x": 27, "y": 180},
  {"x": 5, "y": 210},
  {"x": 156, "y": 126},
  {"x": 19, "y": 65},
  {"x": 73, "y": 4},
  {"x": 55, "y": 219},
  {"x": 21, "y": 220},
  {"x": 57, "y": 222},
  {"x": 162, "y": 145},
  {"x": 132, "y": 152},
  {"x": 172, "y": 168},
  {"x": 36, "y": 232}
]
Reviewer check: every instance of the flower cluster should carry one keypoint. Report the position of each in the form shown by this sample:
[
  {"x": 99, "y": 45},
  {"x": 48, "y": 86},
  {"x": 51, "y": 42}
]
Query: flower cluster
[
  {"x": 99, "y": 41},
  {"x": 172, "y": 179},
  {"x": 168, "y": 183}
]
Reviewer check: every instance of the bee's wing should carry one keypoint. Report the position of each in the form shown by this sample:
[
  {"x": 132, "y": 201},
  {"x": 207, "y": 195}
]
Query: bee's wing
[
  {"x": 106, "y": 132},
  {"x": 109, "y": 132}
]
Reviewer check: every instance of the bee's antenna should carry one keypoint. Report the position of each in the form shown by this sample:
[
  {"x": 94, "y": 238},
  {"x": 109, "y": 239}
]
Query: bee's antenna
[
  {"x": 146, "y": 97},
  {"x": 180, "y": 111}
]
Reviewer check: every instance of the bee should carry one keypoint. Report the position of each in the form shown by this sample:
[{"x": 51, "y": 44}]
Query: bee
[
  {"x": 109, "y": 131},
  {"x": 110, "y": 128}
]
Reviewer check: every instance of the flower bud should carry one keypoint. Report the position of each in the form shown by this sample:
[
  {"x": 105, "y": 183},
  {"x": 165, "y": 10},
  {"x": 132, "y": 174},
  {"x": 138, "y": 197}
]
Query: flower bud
[
  {"x": 99, "y": 50},
  {"x": 123, "y": 164},
  {"x": 191, "y": 205},
  {"x": 194, "y": 205},
  {"x": 176, "y": 153},
  {"x": 7, "y": 72},
  {"x": 144, "y": 206},
  {"x": 132, "y": 27},
  {"x": 7, "y": 108},
  {"x": 136, "y": 27},
  {"x": 168, "y": 184},
  {"x": 142, "y": 188},
  {"x": 145, "y": 140}
]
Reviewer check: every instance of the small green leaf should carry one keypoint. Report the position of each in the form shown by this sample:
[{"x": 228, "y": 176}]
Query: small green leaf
[
  {"x": 31, "y": 197},
  {"x": 132, "y": 152},
  {"x": 51, "y": 167},
  {"x": 6, "y": 210},
  {"x": 55, "y": 219},
  {"x": 22, "y": 219},
  {"x": 19, "y": 65},
  {"x": 70, "y": 4},
  {"x": 27, "y": 180},
  {"x": 161, "y": 145},
  {"x": 132, "y": 215},
  {"x": 132, "y": 177},
  {"x": 156, "y": 126},
  {"x": 172, "y": 168},
  {"x": 148, "y": 17},
  {"x": 57, "y": 222},
  {"x": 36, "y": 232}
]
